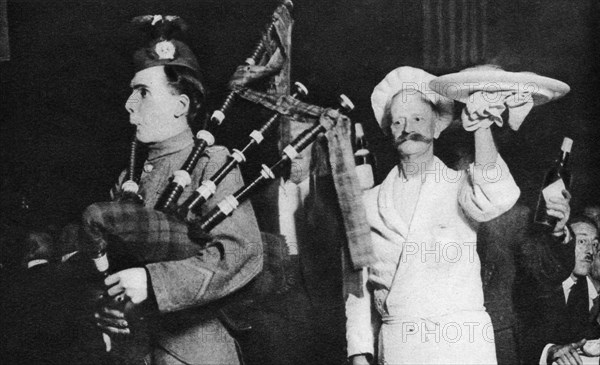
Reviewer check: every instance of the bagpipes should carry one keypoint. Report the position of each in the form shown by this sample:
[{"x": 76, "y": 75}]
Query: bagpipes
[
  {"x": 127, "y": 228},
  {"x": 208, "y": 187},
  {"x": 204, "y": 138},
  {"x": 149, "y": 235},
  {"x": 129, "y": 221},
  {"x": 145, "y": 235}
]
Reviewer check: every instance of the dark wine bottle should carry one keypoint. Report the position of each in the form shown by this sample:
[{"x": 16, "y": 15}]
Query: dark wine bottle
[
  {"x": 555, "y": 180},
  {"x": 363, "y": 158}
]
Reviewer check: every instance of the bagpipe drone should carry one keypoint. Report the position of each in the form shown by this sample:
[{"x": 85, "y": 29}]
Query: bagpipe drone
[{"x": 149, "y": 235}]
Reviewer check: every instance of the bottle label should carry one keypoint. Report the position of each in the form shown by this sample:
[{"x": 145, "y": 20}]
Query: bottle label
[
  {"x": 554, "y": 190},
  {"x": 365, "y": 176},
  {"x": 567, "y": 144},
  {"x": 101, "y": 263}
]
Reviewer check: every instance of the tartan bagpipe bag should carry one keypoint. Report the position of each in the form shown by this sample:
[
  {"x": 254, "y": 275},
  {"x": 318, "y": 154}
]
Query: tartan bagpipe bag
[
  {"x": 132, "y": 232},
  {"x": 134, "y": 235}
]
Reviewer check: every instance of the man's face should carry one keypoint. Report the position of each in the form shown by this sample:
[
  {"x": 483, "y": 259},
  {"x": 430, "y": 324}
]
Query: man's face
[
  {"x": 585, "y": 235},
  {"x": 413, "y": 124},
  {"x": 153, "y": 106}
]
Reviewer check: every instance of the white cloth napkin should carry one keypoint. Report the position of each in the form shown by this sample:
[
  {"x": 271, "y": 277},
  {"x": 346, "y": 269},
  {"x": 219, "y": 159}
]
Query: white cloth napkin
[{"x": 484, "y": 108}]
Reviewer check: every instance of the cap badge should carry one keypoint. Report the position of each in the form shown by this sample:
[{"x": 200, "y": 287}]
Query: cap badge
[{"x": 165, "y": 50}]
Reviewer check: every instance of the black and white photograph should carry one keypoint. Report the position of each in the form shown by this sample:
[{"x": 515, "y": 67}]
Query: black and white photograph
[{"x": 300, "y": 182}]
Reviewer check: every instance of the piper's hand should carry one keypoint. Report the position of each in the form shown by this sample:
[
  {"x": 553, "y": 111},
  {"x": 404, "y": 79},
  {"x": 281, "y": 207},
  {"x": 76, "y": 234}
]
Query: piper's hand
[
  {"x": 592, "y": 348},
  {"x": 559, "y": 207},
  {"x": 111, "y": 320},
  {"x": 565, "y": 354},
  {"x": 128, "y": 285}
]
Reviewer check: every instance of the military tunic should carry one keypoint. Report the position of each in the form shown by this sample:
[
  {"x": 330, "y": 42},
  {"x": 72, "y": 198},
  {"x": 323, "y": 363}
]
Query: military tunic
[{"x": 187, "y": 328}]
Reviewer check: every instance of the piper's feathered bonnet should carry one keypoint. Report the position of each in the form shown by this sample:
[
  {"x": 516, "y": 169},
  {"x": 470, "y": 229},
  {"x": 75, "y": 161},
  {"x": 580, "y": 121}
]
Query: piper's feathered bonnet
[{"x": 163, "y": 49}]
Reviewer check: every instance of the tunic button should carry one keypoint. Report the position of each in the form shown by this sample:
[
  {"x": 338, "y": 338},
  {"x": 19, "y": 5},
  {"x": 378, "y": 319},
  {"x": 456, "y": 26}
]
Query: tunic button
[{"x": 148, "y": 168}]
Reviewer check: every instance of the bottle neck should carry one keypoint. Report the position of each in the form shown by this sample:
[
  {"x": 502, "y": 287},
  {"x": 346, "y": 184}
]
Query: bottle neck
[
  {"x": 360, "y": 143},
  {"x": 563, "y": 159},
  {"x": 101, "y": 263},
  {"x": 361, "y": 156},
  {"x": 361, "y": 147}
]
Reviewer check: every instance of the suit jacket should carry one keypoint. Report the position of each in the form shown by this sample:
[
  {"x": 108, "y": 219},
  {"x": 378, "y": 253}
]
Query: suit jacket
[
  {"x": 319, "y": 243},
  {"x": 509, "y": 247},
  {"x": 305, "y": 325},
  {"x": 552, "y": 323}
]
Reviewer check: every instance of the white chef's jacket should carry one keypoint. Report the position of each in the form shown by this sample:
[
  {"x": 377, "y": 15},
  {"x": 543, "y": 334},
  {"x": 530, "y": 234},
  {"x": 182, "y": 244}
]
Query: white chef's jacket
[{"x": 426, "y": 283}]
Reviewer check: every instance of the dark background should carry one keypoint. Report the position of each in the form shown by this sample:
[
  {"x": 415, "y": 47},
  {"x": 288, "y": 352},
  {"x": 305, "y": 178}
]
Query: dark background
[{"x": 65, "y": 132}]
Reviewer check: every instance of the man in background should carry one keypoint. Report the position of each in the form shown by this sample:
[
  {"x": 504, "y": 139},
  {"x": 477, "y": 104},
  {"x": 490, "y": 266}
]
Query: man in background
[
  {"x": 565, "y": 312},
  {"x": 304, "y": 322}
]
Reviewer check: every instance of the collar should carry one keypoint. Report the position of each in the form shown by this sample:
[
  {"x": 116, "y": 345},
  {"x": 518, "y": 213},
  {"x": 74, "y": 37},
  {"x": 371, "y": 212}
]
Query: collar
[
  {"x": 592, "y": 292},
  {"x": 32, "y": 263},
  {"x": 68, "y": 256},
  {"x": 421, "y": 169},
  {"x": 570, "y": 281},
  {"x": 170, "y": 145}
]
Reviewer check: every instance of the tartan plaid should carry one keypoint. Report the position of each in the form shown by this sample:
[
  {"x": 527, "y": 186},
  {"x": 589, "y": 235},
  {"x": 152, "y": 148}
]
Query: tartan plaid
[
  {"x": 359, "y": 251},
  {"x": 145, "y": 234},
  {"x": 282, "y": 104},
  {"x": 148, "y": 235},
  {"x": 349, "y": 193},
  {"x": 275, "y": 61}
]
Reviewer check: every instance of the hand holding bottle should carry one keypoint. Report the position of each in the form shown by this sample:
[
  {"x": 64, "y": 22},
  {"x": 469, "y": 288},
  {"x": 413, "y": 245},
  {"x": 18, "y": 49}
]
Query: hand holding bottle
[
  {"x": 556, "y": 181},
  {"x": 559, "y": 208},
  {"x": 130, "y": 283}
]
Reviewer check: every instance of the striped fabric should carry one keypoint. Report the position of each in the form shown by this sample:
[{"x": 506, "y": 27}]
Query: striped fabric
[{"x": 454, "y": 33}]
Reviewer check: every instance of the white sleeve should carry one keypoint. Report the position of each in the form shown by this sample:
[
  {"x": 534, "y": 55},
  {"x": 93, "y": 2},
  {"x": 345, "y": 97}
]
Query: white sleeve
[
  {"x": 359, "y": 330},
  {"x": 489, "y": 191}
]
